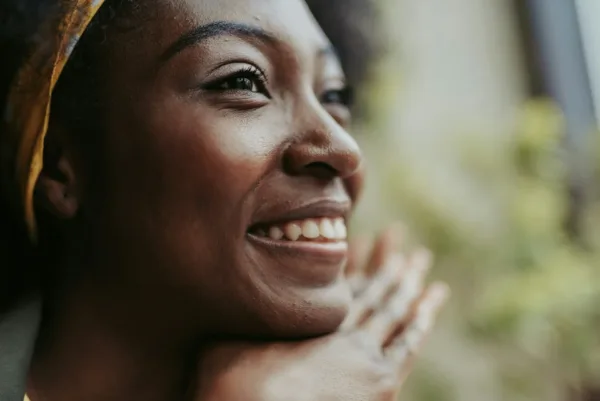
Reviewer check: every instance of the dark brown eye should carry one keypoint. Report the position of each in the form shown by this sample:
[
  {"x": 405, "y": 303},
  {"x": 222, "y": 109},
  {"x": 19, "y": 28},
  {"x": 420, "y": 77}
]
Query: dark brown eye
[
  {"x": 239, "y": 83},
  {"x": 250, "y": 79}
]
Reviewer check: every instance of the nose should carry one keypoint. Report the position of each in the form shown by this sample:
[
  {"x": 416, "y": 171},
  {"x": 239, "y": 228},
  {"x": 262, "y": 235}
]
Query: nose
[{"x": 323, "y": 149}]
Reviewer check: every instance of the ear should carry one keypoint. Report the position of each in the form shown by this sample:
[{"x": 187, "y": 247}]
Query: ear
[{"x": 57, "y": 189}]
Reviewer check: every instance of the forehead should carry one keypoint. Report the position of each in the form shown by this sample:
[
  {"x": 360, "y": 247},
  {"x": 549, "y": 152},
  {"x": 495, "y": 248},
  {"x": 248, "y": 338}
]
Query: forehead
[{"x": 288, "y": 20}]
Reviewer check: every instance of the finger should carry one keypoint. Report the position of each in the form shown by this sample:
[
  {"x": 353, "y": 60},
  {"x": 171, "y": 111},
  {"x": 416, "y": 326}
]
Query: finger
[
  {"x": 374, "y": 259},
  {"x": 374, "y": 296},
  {"x": 358, "y": 254},
  {"x": 357, "y": 258},
  {"x": 398, "y": 308},
  {"x": 387, "y": 243},
  {"x": 403, "y": 350}
]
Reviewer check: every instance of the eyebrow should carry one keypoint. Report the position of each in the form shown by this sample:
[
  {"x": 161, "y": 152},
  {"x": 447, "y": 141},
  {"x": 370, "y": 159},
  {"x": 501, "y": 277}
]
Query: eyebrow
[{"x": 213, "y": 29}]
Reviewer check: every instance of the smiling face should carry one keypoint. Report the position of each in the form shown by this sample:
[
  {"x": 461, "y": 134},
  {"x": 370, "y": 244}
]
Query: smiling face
[{"x": 224, "y": 177}]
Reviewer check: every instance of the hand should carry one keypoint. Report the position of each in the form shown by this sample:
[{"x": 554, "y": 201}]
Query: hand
[
  {"x": 367, "y": 257},
  {"x": 367, "y": 359}
]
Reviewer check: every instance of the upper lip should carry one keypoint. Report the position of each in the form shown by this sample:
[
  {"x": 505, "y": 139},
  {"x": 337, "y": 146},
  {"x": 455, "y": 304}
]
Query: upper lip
[{"x": 286, "y": 212}]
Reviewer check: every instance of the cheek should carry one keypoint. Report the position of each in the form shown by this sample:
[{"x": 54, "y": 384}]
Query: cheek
[
  {"x": 183, "y": 149},
  {"x": 212, "y": 158},
  {"x": 184, "y": 173},
  {"x": 181, "y": 190}
]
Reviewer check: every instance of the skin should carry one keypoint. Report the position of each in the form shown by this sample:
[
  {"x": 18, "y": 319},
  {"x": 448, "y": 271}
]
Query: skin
[
  {"x": 184, "y": 171},
  {"x": 368, "y": 359},
  {"x": 156, "y": 217}
]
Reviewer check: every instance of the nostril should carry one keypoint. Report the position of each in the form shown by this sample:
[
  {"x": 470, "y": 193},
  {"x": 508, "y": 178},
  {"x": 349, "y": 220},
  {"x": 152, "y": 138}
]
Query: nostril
[{"x": 321, "y": 170}]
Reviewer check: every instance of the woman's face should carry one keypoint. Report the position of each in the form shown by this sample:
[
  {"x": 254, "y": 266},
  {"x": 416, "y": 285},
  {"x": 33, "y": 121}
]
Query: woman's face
[{"x": 226, "y": 139}]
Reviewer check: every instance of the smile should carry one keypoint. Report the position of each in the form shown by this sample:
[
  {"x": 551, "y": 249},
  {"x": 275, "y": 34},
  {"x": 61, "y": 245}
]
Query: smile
[
  {"x": 324, "y": 230},
  {"x": 312, "y": 231},
  {"x": 322, "y": 240}
]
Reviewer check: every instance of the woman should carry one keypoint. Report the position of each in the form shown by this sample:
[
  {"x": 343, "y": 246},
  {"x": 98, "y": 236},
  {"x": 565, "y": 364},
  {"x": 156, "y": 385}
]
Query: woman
[{"x": 186, "y": 178}]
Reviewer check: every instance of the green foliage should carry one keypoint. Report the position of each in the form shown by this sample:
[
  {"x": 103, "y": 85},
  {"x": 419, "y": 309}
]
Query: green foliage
[
  {"x": 525, "y": 290},
  {"x": 547, "y": 298}
]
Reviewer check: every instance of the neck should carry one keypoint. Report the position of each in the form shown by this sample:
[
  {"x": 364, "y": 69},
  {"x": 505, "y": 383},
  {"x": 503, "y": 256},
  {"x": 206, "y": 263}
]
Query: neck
[{"x": 108, "y": 348}]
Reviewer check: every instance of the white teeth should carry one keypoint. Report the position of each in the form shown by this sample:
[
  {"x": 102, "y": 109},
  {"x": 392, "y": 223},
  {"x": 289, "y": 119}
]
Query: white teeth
[
  {"x": 340, "y": 229},
  {"x": 310, "y": 230},
  {"x": 323, "y": 229},
  {"x": 292, "y": 231},
  {"x": 276, "y": 233},
  {"x": 326, "y": 229}
]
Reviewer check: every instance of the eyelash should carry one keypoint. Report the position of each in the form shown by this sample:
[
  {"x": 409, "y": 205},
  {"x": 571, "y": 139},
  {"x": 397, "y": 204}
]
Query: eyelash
[
  {"x": 248, "y": 75},
  {"x": 256, "y": 77}
]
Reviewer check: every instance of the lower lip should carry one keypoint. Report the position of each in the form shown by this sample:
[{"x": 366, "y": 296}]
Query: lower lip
[{"x": 328, "y": 252}]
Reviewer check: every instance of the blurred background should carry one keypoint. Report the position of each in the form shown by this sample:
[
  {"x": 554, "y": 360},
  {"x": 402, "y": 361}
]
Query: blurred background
[{"x": 479, "y": 120}]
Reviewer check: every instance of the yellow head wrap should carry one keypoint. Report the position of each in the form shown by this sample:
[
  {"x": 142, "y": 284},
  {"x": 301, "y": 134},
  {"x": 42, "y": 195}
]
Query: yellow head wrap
[{"x": 28, "y": 105}]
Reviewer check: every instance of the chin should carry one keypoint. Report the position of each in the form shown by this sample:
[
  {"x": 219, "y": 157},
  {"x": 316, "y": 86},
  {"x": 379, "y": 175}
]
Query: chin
[
  {"x": 311, "y": 313},
  {"x": 278, "y": 311}
]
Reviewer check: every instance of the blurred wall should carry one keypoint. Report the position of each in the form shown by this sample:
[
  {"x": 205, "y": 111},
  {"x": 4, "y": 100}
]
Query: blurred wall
[{"x": 456, "y": 69}]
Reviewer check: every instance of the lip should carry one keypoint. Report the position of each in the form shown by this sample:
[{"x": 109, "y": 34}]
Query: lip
[
  {"x": 287, "y": 212},
  {"x": 332, "y": 253},
  {"x": 311, "y": 262}
]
